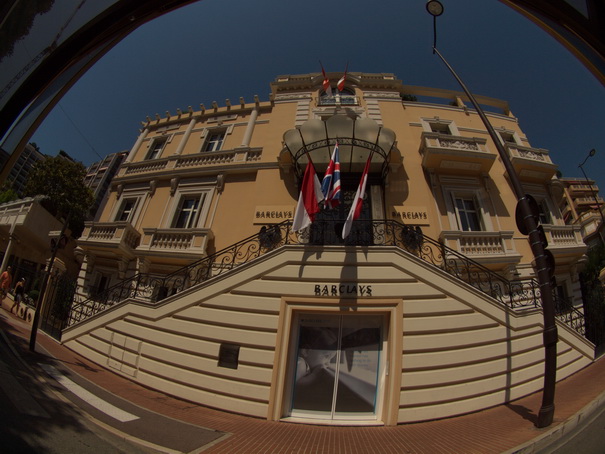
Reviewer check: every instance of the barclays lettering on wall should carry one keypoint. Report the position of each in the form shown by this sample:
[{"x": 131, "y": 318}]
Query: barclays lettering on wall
[{"x": 343, "y": 290}]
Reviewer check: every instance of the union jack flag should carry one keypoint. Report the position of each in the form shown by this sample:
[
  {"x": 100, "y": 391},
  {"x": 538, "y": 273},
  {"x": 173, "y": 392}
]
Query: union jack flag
[{"x": 330, "y": 186}]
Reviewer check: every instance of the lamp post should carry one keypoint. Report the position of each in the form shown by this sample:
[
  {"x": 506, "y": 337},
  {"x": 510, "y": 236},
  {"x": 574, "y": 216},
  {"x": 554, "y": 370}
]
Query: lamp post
[
  {"x": 591, "y": 153},
  {"x": 54, "y": 248},
  {"x": 550, "y": 337}
]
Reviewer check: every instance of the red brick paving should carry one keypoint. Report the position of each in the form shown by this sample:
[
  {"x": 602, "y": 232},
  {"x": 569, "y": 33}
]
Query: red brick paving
[{"x": 490, "y": 431}]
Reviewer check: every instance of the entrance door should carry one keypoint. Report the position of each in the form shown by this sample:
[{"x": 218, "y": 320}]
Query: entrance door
[
  {"x": 328, "y": 225},
  {"x": 338, "y": 366}
]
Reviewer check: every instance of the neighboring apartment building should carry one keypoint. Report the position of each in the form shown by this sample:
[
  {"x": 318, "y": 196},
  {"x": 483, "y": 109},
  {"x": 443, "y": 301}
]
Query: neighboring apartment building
[
  {"x": 580, "y": 203},
  {"x": 18, "y": 175},
  {"x": 99, "y": 175},
  {"x": 426, "y": 310}
]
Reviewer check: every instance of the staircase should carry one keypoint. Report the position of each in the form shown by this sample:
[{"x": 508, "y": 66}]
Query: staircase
[{"x": 153, "y": 288}]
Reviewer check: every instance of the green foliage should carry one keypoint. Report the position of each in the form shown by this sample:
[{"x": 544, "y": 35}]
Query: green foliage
[
  {"x": 7, "y": 194},
  {"x": 594, "y": 296},
  {"x": 62, "y": 181},
  {"x": 13, "y": 30}
]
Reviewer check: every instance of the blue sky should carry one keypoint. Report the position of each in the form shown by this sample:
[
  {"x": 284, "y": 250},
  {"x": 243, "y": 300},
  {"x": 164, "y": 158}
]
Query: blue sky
[{"x": 218, "y": 49}]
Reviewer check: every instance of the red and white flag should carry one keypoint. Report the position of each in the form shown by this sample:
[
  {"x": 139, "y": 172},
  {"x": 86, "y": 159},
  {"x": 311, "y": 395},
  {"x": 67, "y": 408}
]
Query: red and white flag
[
  {"x": 308, "y": 200},
  {"x": 326, "y": 83},
  {"x": 341, "y": 81},
  {"x": 358, "y": 201}
]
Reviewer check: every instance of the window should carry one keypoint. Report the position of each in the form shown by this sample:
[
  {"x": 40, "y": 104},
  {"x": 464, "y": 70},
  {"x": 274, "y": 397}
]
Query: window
[
  {"x": 344, "y": 97},
  {"x": 156, "y": 148},
  {"x": 507, "y": 137},
  {"x": 126, "y": 212},
  {"x": 214, "y": 141},
  {"x": 187, "y": 214},
  {"x": 441, "y": 128},
  {"x": 467, "y": 214},
  {"x": 544, "y": 212}
]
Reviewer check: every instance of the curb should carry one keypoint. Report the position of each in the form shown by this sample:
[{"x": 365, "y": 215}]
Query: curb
[{"x": 550, "y": 438}]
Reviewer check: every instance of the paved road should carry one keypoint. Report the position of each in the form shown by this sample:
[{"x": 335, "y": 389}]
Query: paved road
[
  {"x": 587, "y": 438},
  {"x": 46, "y": 408}
]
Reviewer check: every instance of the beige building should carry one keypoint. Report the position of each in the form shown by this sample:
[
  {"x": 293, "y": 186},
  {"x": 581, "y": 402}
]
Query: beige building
[
  {"x": 193, "y": 282},
  {"x": 580, "y": 203}
]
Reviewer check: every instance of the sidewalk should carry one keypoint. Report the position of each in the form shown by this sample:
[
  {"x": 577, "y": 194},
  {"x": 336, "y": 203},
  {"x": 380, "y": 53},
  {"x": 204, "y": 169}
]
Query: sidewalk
[{"x": 503, "y": 429}]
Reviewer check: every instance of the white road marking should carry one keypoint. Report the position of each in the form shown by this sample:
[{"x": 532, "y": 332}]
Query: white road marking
[{"x": 90, "y": 398}]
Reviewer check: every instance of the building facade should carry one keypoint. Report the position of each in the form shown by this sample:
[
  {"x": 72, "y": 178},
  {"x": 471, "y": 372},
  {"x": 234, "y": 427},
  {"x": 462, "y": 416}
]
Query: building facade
[
  {"x": 193, "y": 282},
  {"x": 580, "y": 204},
  {"x": 99, "y": 176},
  {"x": 18, "y": 175}
]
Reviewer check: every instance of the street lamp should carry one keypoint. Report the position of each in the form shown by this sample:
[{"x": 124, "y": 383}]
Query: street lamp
[
  {"x": 591, "y": 153},
  {"x": 550, "y": 337}
]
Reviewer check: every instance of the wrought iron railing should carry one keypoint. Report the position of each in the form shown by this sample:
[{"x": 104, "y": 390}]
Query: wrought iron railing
[{"x": 153, "y": 288}]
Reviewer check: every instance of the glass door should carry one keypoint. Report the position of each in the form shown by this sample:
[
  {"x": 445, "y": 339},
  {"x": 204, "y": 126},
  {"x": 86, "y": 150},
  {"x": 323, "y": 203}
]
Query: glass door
[{"x": 338, "y": 366}]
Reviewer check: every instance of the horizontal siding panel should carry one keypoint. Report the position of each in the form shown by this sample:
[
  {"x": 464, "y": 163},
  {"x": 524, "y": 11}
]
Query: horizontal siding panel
[
  {"x": 466, "y": 322},
  {"x": 417, "y": 343},
  {"x": 470, "y": 372},
  {"x": 460, "y": 392},
  {"x": 205, "y": 366},
  {"x": 245, "y": 303},
  {"x": 442, "y": 359},
  {"x": 188, "y": 329},
  {"x": 195, "y": 380},
  {"x": 211, "y": 316},
  {"x": 95, "y": 343},
  {"x": 198, "y": 346},
  {"x": 433, "y": 306},
  {"x": 445, "y": 409},
  {"x": 204, "y": 397}
]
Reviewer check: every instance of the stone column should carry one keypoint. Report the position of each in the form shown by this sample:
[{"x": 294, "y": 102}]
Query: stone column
[
  {"x": 249, "y": 128},
  {"x": 185, "y": 138},
  {"x": 137, "y": 145}
]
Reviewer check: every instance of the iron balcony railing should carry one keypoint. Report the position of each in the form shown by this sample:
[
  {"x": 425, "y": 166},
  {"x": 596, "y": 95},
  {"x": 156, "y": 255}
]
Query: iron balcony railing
[{"x": 153, "y": 288}]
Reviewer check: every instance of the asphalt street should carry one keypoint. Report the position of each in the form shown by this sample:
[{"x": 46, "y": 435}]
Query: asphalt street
[{"x": 45, "y": 407}]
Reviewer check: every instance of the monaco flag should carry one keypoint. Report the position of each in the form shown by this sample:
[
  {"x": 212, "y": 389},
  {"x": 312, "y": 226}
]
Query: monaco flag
[
  {"x": 330, "y": 185},
  {"x": 358, "y": 201},
  {"x": 326, "y": 83},
  {"x": 308, "y": 200},
  {"x": 342, "y": 80}
]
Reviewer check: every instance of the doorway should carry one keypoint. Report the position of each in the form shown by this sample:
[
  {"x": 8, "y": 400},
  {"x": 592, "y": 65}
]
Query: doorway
[{"x": 339, "y": 366}]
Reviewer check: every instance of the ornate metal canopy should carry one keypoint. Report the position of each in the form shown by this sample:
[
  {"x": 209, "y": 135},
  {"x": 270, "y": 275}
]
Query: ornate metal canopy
[{"x": 357, "y": 139}]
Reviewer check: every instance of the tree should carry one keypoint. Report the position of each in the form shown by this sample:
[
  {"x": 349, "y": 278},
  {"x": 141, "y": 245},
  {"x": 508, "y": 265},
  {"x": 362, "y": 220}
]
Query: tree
[
  {"x": 594, "y": 295},
  {"x": 7, "y": 193},
  {"x": 62, "y": 181}
]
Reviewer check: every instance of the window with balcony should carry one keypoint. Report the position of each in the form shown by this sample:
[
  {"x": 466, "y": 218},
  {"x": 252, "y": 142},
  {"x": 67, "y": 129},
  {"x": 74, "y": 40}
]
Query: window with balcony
[
  {"x": 214, "y": 140},
  {"x": 440, "y": 128},
  {"x": 156, "y": 147},
  {"x": 467, "y": 214},
  {"x": 508, "y": 137},
  {"x": 188, "y": 212},
  {"x": 544, "y": 212},
  {"x": 344, "y": 97}
]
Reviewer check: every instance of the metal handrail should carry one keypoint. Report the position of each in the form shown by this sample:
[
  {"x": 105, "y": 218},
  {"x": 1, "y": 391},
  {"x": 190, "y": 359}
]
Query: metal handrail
[{"x": 154, "y": 288}]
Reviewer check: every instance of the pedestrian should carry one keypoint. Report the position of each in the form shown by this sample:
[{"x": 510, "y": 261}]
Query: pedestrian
[
  {"x": 5, "y": 282},
  {"x": 19, "y": 289}
]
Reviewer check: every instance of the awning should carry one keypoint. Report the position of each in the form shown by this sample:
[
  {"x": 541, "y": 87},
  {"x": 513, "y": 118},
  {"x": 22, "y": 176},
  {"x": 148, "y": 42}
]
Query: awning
[{"x": 357, "y": 139}]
